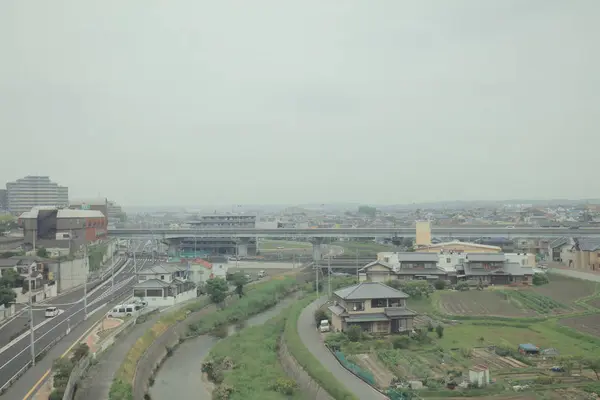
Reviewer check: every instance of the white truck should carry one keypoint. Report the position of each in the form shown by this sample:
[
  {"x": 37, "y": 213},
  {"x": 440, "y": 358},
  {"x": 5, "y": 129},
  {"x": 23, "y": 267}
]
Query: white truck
[{"x": 324, "y": 326}]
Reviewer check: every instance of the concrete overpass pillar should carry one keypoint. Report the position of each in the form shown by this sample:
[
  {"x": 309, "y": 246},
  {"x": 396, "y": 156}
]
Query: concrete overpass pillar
[
  {"x": 242, "y": 247},
  {"x": 173, "y": 249},
  {"x": 316, "y": 250}
]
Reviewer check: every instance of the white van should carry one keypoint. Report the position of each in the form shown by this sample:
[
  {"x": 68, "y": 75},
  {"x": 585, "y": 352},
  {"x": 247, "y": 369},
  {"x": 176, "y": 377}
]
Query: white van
[
  {"x": 125, "y": 310},
  {"x": 51, "y": 312}
]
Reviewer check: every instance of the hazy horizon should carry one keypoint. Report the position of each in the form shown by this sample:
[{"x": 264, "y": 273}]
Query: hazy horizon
[{"x": 157, "y": 104}]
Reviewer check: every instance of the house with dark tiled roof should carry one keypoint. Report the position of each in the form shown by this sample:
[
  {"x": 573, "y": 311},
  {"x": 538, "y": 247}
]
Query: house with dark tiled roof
[
  {"x": 163, "y": 285},
  {"x": 374, "y": 307}
]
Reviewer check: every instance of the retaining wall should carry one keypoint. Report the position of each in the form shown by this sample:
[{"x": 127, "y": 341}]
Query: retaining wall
[{"x": 296, "y": 372}]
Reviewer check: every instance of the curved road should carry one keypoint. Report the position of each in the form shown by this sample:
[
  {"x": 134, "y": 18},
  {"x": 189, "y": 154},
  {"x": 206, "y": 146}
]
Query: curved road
[{"x": 313, "y": 342}]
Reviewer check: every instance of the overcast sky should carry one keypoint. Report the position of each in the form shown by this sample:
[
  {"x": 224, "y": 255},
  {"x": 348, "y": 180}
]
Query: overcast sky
[{"x": 189, "y": 102}]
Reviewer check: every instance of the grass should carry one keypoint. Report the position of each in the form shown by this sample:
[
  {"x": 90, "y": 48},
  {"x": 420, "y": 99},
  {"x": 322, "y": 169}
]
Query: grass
[
  {"x": 257, "y": 373},
  {"x": 286, "y": 244},
  {"x": 535, "y": 301},
  {"x": 264, "y": 296},
  {"x": 310, "y": 363},
  {"x": 542, "y": 334},
  {"x": 362, "y": 249}
]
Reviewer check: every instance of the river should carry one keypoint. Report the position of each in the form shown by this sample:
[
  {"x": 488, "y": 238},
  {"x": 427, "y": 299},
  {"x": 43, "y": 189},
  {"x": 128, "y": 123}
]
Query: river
[{"x": 180, "y": 377}]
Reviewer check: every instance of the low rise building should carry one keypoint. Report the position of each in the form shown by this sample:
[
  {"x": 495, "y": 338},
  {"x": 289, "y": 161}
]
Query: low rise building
[
  {"x": 459, "y": 247},
  {"x": 374, "y": 307},
  {"x": 163, "y": 286}
]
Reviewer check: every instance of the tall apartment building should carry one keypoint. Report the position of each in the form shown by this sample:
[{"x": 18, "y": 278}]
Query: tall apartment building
[
  {"x": 3, "y": 200},
  {"x": 31, "y": 191}
]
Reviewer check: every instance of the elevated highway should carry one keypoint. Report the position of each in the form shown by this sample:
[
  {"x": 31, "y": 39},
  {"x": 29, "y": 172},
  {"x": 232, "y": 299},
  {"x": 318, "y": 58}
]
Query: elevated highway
[{"x": 453, "y": 232}]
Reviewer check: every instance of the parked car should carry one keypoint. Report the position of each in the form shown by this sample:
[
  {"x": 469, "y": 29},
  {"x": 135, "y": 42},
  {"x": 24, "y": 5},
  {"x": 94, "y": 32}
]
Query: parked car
[
  {"x": 262, "y": 273},
  {"x": 324, "y": 326},
  {"x": 51, "y": 312}
]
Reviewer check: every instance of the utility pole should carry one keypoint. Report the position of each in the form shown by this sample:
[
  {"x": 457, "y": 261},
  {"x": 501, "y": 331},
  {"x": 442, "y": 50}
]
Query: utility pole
[
  {"x": 32, "y": 339},
  {"x": 318, "y": 279},
  {"x": 329, "y": 275},
  {"x": 85, "y": 278},
  {"x": 357, "y": 276}
]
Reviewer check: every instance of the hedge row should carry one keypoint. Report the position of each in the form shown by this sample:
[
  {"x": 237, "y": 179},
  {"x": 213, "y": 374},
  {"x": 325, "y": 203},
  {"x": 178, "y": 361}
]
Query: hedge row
[{"x": 310, "y": 363}]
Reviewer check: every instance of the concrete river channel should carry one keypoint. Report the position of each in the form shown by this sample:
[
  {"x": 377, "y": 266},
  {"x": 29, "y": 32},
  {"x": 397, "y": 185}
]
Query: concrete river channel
[{"x": 180, "y": 377}]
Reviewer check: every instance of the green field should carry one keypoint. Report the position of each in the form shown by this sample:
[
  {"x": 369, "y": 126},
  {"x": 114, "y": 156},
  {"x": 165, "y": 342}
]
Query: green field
[
  {"x": 362, "y": 249},
  {"x": 266, "y": 245}
]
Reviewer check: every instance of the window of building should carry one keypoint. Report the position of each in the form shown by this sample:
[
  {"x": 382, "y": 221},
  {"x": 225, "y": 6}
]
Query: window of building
[
  {"x": 162, "y": 277},
  {"x": 378, "y": 303},
  {"x": 448, "y": 260},
  {"x": 356, "y": 306},
  {"x": 154, "y": 292}
]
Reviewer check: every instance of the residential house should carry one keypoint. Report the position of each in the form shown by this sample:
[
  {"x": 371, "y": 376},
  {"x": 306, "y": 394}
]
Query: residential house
[
  {"x": 404, "y": 266},
  {"x": 374, "y": 307},
  {"x": 587, "y": 253},
  {"x": 163, "y": 285},
  {"x": 493, "y": 268}
]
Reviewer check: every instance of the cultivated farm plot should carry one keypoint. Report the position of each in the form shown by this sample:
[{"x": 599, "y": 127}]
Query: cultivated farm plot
[
  {"x": 589, "y": 324},
  {"x": 536, "y": 302},
  {"x": 566, "y": 290},
  {"x": 481, "y": 303},
  {"x": 494, "y": 361}
]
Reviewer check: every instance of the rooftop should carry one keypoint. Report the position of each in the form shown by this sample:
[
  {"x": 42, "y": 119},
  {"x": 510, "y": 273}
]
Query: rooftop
[
  {"x": 369, "y": 290},
  {"x": 485, "y": 257},
  {"x": 68, "y": 213},
  {"x": 418, "y": 257}
]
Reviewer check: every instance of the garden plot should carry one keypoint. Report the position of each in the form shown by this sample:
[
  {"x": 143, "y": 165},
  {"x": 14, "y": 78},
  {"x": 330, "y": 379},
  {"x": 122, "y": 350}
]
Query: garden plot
[
  {"x": 540, "y": 304},
  {"x": 494, "y": 361},
  {"x": 589, "y": 324},
  {"x": 566, "y": 290},
  {"x": 481, "y": 303}
]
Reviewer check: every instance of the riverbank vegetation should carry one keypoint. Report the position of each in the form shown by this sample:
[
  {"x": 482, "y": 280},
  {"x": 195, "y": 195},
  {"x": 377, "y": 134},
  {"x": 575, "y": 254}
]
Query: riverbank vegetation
[
  {"x": 258, "y": 298},
  {"x": 246, "y": 365}
]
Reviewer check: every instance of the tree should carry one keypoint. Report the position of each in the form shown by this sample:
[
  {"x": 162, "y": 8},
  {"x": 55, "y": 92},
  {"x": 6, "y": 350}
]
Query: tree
[
  {"x": 42, "y": 252},
  {"x": 440, "y": 331},
  {"x": 320, "y": 315},
  {"x": 217, "y": 290},
  {"x": 239, "y": 280},
  {"x": 81, "y": 351},
  {"x": 9, "y": 278},
  {"x": 401, "y": 342},
  {"x": 368, "y": 211},
  {"x": 7, "y": 296}
]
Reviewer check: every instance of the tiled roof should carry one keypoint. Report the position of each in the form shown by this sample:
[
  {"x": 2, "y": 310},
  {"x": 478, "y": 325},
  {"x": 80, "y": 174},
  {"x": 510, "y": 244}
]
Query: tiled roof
[
  {"x": 588, "y": 244},
  {"x": 399, "y": 312},
  {"x": 367, "y": 317},
  {"x": 369, "y": 290},
  {"x": 376, "y": 262},
  {"x": 151, "y": 284}
]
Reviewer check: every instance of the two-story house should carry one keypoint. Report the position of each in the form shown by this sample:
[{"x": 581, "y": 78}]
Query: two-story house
[
  {"x": 493, "y": 268},
  {"x": 163, "y": 285},
  {"x": 403, "y": 266},
  {"x": 375, "y": 307}
]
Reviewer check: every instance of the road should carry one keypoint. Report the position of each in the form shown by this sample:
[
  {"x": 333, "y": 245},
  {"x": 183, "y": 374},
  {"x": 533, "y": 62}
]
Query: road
[
  {"x": 314, "y": 343},
  {"x": 18, "y": 355},
  {"x": 16, "y": 326}
]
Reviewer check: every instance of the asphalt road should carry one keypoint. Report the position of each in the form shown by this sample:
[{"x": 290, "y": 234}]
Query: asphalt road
[
  {"x": 314, "y": 343},
  {"x": 16, "y": 326},
  {"x": 18, "y": 355}
]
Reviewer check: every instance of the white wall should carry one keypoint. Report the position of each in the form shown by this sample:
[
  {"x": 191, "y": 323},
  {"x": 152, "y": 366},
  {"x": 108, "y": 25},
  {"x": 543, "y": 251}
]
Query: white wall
[
  {"x": 523, "y": 259},
  {"x": 69, "y": 274}
]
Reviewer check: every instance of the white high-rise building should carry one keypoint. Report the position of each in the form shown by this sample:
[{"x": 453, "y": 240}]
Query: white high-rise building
[{"x": 31, "y": 191}]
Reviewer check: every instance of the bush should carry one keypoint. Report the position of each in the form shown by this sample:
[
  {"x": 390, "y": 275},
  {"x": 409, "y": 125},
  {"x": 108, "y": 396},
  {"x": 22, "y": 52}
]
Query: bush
[
  {"x": 285, "y": 385},
  {"x": 439, "y": 284},
  {"x": 401, "y": 342},
  {"x": 540, "y": 279},
  {"x": 320, "y": 315},
  {"x": 440, "y": 331},
  {"x": 120, "y": 390},
  {"x": 354, "y": 333}
]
